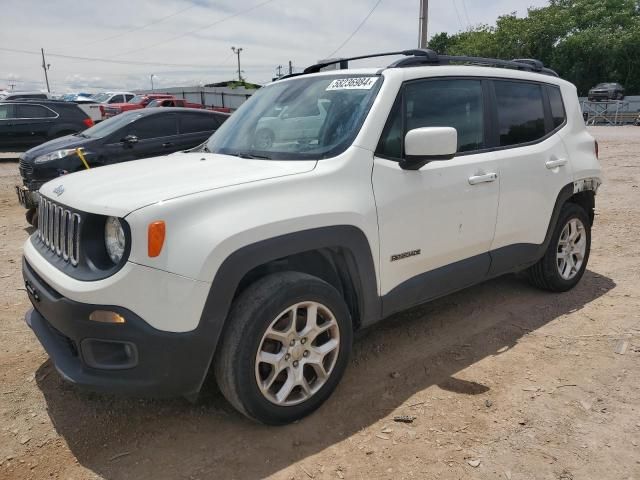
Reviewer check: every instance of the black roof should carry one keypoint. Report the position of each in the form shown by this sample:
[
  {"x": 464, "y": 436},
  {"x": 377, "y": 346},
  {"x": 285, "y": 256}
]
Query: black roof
[{"x": 425, "y": 57}]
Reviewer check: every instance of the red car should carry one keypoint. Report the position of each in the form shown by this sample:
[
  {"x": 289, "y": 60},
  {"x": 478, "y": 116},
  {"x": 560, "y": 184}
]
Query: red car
[
  {"x": 173, "y": 102},
  {"x": 137, "y": 102}
]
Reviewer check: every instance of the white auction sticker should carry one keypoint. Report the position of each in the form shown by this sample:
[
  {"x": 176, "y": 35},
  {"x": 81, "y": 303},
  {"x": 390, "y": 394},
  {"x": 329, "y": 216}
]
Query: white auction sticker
[{"x": 354, "y": 83}]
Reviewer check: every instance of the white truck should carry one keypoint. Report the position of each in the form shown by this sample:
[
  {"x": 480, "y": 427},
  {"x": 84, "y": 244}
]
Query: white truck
[
  {"x": 94, "y": 106},
  {"x": 259, "y": 259}
]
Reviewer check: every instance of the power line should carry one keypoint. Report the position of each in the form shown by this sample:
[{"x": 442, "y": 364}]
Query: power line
[
  {"x": 107, "y": 60},
  {"x": 364, "y": 20},
  {"x": 458, "y": 15},
  {"x": 184, "y": 34},
  {"x": 466, "y": 13},
  {"x": 135, "y": 29}
]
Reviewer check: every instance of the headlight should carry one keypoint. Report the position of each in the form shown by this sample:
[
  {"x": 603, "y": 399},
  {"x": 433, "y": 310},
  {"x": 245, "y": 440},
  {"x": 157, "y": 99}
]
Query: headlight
[
  {"x": 55, "y": 155},
  {"x": 114, "y": 239}
]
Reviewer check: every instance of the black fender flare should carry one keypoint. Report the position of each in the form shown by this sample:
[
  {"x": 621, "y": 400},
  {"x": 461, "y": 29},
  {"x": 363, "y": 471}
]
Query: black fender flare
[{"x": 239, "y": 263}]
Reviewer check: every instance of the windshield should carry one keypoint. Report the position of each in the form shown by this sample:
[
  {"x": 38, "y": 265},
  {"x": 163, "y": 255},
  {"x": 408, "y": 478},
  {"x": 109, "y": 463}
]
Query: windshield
[
  {"x": 110, "y": 125},
  {"x": 305, "y": 118},
  {"x": 137, "y": 99},
  {"x": 102, "y": 97}
]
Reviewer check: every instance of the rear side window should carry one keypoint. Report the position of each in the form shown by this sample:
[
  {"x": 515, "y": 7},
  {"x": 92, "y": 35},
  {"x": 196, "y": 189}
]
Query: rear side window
[
  {"x": 117, "y": 99},
  {"x": 192, "y": 123},
  {"x": 154, "y": 126},
  {"x": 34, "y": 111},
  {"x": 128, "y": 97},
  {"x": 520, "y": 112},
  {"x": 557, "y": 107},
  {"x": 453, "y": 103},
  {"x": 6, "y": 111}
]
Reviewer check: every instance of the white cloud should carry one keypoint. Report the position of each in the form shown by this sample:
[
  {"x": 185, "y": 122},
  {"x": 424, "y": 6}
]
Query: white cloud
[{"x": 282, "y": 30}]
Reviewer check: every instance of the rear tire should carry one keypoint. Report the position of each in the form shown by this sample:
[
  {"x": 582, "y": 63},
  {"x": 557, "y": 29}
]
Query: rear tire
[
  {"x": 567, "y": 255},
  {"x": 276, "y": 370}
]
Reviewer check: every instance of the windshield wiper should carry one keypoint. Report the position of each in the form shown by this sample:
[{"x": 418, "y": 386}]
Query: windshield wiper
[
  {"x": 81, "y": 135},
  {"x": 250, "y": 156}
]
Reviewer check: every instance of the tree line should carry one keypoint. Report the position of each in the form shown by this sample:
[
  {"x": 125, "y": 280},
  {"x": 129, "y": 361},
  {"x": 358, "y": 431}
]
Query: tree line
[{"x": 585, "y": 41}]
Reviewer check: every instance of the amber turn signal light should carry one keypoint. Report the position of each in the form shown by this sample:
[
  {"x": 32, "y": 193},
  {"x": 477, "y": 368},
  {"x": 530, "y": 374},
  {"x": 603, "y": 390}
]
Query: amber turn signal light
[
  {"x": 155, "y": 238},
  {"x": 106, "y": 316}
]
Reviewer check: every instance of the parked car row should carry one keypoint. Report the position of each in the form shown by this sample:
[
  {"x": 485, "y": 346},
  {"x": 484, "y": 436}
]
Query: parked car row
[{"x": 129, "y": 136}]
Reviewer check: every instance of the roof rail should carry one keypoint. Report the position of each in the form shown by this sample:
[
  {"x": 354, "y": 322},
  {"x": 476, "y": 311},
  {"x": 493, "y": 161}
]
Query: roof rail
[
  {"x": 528, "y": 64},
  {"x": 423, "y": 56},
  {"x": 411, "y": 53}
]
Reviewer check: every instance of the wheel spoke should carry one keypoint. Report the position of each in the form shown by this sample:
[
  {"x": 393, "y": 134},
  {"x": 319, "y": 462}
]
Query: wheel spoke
[
  {"x": 304, "y": 384},
  {"x": 321, "y": 373},
  {"x": 327, "y": 347},
  {"x": 266, "y": 384},
  {"x": 283, "y": 336},
  {"x": 286, "y": 388},
  {"x": 270, "y": 358}
]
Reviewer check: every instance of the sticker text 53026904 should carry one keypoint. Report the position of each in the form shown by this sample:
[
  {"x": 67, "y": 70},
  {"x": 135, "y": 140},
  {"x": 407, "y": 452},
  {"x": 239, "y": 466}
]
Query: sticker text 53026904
[{"x": 353, "y": 83}]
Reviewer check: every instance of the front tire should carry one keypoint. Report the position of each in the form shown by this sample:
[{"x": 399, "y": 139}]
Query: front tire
[
  {"x": 286, "y": 347},
  {"x": 567, "y": 255},
  {"x": 31, "y": 216}
]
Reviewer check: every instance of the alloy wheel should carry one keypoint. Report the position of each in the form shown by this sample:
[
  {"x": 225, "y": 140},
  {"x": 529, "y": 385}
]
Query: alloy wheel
[
  {"x": 572, "y": 247},
  {"x": 297, "y": 353}
]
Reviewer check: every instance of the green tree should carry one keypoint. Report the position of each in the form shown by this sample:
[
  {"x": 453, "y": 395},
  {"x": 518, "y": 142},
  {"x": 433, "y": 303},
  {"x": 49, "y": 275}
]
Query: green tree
[{"x": 585, "y": 41}]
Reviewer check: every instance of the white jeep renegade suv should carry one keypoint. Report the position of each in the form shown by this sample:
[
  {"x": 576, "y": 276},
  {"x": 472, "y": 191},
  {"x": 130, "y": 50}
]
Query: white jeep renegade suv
[{"x": 259, "y": 259}]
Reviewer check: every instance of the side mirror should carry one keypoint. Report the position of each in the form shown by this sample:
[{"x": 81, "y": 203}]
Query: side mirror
[
  {"x": 429, "y": 144},
  {"x": 130, "y": 140}
]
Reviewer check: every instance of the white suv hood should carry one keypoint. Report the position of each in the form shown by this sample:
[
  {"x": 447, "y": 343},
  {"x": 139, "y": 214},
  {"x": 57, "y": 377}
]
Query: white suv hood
[{"x": 120, "y": 189}]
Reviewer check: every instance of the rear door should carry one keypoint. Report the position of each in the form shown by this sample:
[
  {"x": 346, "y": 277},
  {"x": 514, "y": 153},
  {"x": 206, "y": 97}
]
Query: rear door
[
  {"x": 195, "y": 128},
  {"x": 533, "y": 167},
  {"x": 32, "y": 123},
  {"x": 7, "y": 125}
]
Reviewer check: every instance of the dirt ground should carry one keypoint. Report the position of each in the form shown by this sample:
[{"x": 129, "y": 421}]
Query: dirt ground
[{"x": 505, "y": 382}]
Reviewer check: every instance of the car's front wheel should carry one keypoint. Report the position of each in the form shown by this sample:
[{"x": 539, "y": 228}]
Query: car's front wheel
[
  {"x": 31, "y": 216},
  {"x": 285, "y": 349},
  {"x": 567, "y": 255}
]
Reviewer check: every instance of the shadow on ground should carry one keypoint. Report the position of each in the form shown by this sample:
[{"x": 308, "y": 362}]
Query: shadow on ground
[{"x": 426, "y": 346}]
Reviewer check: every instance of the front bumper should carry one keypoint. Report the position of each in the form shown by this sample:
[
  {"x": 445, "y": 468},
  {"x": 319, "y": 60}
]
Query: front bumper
[
  {"x": 130, "y": 358},
  {"x": 27, "y": 198}
]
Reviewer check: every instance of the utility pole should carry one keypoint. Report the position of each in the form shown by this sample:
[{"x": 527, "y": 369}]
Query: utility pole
[
  {"x": 12, "y": 85},
  {"x": 279, "y": 69},
  {"x": 151, "y": 77},
  {"x": 45, "y": 67},
  {"x": 237, "y": 52},
  {"x": 290, "y": 68},
  {"x": 423, "y": 37}
]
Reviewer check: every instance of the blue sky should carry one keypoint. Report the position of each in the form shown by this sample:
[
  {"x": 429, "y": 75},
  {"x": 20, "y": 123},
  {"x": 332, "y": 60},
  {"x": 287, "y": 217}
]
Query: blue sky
[{"x": 188, "y": 42}]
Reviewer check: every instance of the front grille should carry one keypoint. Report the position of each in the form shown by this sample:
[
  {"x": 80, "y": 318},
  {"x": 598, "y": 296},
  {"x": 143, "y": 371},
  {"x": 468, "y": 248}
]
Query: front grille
[
  {"x": 59, "y": 230},
  {"x": 26, "y": 169}
]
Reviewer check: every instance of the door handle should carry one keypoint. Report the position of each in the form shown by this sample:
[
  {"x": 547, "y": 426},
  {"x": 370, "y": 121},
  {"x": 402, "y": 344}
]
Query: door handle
[
  {"x": 551, "y": 164},
  {"x": 167, "y": 145},
  {"x": 487, "y": 177}
]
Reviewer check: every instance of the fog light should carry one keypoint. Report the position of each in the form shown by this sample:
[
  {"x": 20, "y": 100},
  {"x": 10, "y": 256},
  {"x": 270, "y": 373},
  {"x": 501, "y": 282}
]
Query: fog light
[
  {"x": 109, "y": 354},
  {"x": 106, "y": 317}
]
